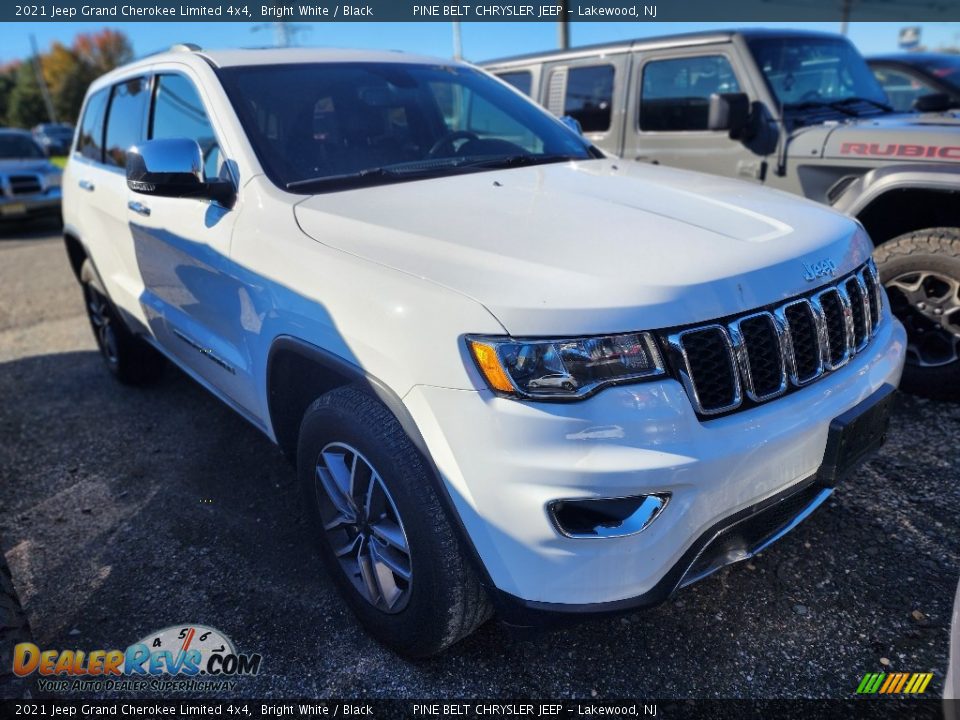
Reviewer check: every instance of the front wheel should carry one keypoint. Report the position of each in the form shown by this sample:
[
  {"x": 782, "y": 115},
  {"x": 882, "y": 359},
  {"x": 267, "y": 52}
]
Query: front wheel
[
  {"x": 921, "y": 273},
  {"x": 381, "y": 529}
]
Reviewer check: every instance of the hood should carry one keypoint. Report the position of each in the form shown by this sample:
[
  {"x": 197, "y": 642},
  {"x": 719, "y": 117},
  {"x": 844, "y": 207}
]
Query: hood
[
  {"x": 591, "y": 247},
  {"x": 911, "y": 137},
  {"x": 31, "y": 165}
]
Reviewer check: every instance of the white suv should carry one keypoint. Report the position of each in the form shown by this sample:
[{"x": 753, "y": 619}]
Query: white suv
[{"x": 514, "y": 374}]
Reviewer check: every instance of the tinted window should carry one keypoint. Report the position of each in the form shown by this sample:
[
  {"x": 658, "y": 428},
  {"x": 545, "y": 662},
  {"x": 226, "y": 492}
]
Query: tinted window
[
  {"x": 521, "y": 80},
  {"x": 125, "y": 119},
  {"x": 90, "y": 142},
  {"x": 901, "y": 88},
  {"x": 675, "y": 94},
  {"x": 178, "y": 113},
  {"x": 589, "y": 96},
  {"x": 330, "y": 120}
]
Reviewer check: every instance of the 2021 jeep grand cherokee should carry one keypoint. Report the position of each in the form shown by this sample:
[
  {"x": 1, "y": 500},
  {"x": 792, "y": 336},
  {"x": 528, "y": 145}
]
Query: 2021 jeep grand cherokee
[{"x": 513, "y": 373}]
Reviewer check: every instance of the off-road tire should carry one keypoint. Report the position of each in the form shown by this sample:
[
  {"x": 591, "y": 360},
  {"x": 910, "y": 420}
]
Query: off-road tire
[
  {"x": 129, "y": 358},
  {"x": 933, "y": 250},
  {"x": 446, "y": 601},
  {"x": 14, "y": 629}
]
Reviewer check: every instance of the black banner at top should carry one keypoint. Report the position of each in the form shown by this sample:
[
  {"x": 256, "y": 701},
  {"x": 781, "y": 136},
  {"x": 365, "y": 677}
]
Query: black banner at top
[{"x": 733, "y": 11}]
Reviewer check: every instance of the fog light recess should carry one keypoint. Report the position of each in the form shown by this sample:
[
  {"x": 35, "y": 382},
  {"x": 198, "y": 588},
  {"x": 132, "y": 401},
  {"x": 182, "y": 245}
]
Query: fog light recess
[{"x": 606, "y": 517}]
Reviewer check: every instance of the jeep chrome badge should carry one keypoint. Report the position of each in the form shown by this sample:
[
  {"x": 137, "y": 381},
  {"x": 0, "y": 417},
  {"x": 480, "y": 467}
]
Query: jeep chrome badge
[{"x": 823, "y": 268}]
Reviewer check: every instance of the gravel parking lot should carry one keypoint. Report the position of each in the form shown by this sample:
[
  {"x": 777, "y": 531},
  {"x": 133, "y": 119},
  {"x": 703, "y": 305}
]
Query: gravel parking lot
[{"x": 104, "y": 526}]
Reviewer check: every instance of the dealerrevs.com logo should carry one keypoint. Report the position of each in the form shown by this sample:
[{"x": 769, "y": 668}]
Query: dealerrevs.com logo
[{"x": 179, "y": 657}]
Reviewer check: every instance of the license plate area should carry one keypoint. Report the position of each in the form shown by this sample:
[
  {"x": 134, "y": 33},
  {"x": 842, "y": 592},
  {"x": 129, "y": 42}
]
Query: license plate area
[
  {"x": 13, "y": 209},
  {"x": 856, "y": 435}
]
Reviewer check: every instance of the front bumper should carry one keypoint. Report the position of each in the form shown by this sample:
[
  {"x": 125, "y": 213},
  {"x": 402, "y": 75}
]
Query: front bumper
[
  {"x": 17, "y": 207},
  {"x": 504, "y": 462}
]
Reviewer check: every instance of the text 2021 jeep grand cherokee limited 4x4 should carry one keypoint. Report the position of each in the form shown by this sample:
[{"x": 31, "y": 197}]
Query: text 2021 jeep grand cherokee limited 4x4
[{"x": 513, "y": 373}]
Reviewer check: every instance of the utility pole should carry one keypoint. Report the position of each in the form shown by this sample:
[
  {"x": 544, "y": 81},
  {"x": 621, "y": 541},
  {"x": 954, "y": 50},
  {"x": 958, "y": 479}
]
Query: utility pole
[
  {"x": 563, "y": 27},
  {"x": 38, "y": 71},
  {"x": 845, "y": 9},
  {"x": 457, "y": 41}
]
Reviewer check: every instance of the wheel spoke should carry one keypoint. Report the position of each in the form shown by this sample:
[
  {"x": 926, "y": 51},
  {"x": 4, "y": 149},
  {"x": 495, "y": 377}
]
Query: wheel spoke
[
  {"x": 342, "y": 503},
  {"x": 390, "y": 558},
  {"x": 369, "y": 576},
  {"x": 390, "y": 534},
  {"x": 384, "y": 576}
]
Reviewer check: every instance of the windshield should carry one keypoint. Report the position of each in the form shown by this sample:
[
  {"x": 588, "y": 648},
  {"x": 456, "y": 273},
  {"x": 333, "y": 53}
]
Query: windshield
[
  {"x": 332, "y": 124},
  {"x": 802, "y": 70},
  {"x": 15, "y": 147}
]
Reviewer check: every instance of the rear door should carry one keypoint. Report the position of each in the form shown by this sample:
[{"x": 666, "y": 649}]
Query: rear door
[
  {"x": 592, "y": 90},
  {"x": 668, "y": 108}
]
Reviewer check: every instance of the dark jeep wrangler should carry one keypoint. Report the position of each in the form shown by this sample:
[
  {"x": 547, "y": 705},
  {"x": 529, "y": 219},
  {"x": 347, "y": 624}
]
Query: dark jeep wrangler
[{"x": 800, "y": 112}]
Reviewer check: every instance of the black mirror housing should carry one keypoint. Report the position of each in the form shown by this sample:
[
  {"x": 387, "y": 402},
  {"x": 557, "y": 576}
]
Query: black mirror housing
[
  {"x": 729, "y": 111},
  {"x": 173, "y": 168},
  {"x": 934, "y": 102}
]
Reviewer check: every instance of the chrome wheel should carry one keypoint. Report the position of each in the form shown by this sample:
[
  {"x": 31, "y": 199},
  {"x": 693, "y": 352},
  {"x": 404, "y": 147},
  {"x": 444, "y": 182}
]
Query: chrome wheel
[
  {"x": 363, "y": 527},
  {"x": 101, "y": 319},
  {"x": 928, "y": 304}
]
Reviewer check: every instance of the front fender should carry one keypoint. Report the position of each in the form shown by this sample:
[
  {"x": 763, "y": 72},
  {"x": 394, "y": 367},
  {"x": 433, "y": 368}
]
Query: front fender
[{"x": 864, "y": 190}]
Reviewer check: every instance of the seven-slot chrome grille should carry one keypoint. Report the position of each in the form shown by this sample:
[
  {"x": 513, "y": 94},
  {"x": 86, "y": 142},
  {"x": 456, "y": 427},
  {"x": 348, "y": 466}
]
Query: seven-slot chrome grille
[{"x": 761, "y": 355}]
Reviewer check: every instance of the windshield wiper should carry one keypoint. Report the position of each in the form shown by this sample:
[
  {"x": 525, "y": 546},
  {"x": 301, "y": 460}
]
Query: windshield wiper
[
  {"x": 851, "y": 100},
  {"x": 359, "y": 176},
  {"x": 808, "y": 104},
  {"x": 508, "y": 161}
]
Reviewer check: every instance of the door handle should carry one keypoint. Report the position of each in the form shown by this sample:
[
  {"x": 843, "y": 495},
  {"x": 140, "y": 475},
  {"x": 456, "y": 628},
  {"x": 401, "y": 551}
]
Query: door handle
[
  {"x": 647, "y": 158},
  {"x": 139, "y": 208},
  {"x": 86, "y": 185}
]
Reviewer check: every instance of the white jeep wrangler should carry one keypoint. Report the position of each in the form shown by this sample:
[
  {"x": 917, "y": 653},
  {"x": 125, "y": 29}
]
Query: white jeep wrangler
[{"x": 515, "y": 375}]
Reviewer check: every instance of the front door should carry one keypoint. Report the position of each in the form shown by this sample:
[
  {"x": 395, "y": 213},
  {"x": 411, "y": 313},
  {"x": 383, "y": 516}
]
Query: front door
[{"x": 668, "y": 108}]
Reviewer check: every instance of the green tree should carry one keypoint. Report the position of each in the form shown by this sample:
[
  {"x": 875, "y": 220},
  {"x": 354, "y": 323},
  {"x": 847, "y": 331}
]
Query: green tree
[
  {"x": 25, "y": 108},
  {"x": 7, "y": 81}
]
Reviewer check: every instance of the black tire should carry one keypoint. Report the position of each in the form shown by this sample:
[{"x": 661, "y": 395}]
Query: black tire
[
  {"x": 444, "y": 602},
  {"x": 935, "y": 251},
  {"x": 14, "y": 629},
  {"x": 130, "y": 359}
]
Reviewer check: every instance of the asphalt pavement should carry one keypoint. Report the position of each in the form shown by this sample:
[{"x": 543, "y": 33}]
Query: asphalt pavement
[{"x": 123, "y": 511}]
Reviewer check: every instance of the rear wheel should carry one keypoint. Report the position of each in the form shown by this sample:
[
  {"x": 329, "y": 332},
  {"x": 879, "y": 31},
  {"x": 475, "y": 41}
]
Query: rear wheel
[
  {"x": 921, "y": 273},
  {"x": 128, "y": 357},
  {"x": 380, "y": 527}
]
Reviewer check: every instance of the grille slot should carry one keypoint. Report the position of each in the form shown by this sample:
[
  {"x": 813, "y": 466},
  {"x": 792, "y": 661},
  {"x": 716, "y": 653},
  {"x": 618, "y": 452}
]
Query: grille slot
[
  {"x": 759, "y": 356},
  {"x": 831, "y": 306},
  {"x": 805, "y": 342},
  {"x": 709, "y": 371},
  {"x": 24, "y": 184}
]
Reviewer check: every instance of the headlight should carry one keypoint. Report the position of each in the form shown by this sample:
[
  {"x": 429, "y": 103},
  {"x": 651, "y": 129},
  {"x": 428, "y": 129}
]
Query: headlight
[
  {"x": 565, "y": 369},
  {"x": 52, "y": 180}
]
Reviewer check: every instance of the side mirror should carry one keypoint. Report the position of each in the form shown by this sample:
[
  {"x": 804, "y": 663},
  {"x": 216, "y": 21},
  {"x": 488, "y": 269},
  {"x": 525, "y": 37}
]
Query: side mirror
[
  {"x": 934, "y": 102},
  {"x": 173, "y": 168},
  {"x": 572, "y": 123},
  {"x": 729, "y": 111}
]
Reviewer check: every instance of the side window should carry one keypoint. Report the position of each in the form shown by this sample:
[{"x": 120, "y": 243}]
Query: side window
[
  {"x": 90, "y": 142},
  {"x": 589, "y": 96},
  {"x": 901, "y": 88},
  {"x": 178, "y": 113},
  {"x": 675, "y": 94},
  {"x": 125, "y": 119},
  {"x": 522, "y": 80}
]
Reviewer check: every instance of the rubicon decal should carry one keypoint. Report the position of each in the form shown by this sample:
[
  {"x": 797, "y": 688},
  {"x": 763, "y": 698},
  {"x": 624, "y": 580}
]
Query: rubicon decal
[
  {"x": 184, "y": 651},
  {"x": 940, "y": 152},
  {"x": 894, "y": 683}
]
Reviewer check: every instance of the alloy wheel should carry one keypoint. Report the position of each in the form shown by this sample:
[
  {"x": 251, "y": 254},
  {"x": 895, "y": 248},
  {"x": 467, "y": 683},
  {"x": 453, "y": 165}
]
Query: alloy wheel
[
  {"x": 101, "y": 319},
  {"x": 363, "y": 527},
  {"x": 928, "y": 304}
]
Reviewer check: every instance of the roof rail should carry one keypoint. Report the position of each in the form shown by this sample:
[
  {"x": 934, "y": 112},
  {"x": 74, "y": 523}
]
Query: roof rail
[{"x": 185, "y": 47}]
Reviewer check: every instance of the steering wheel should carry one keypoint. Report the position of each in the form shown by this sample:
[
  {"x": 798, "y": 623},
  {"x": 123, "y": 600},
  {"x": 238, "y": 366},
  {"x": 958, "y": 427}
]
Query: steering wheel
[{"x": 447, "y": 141}]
